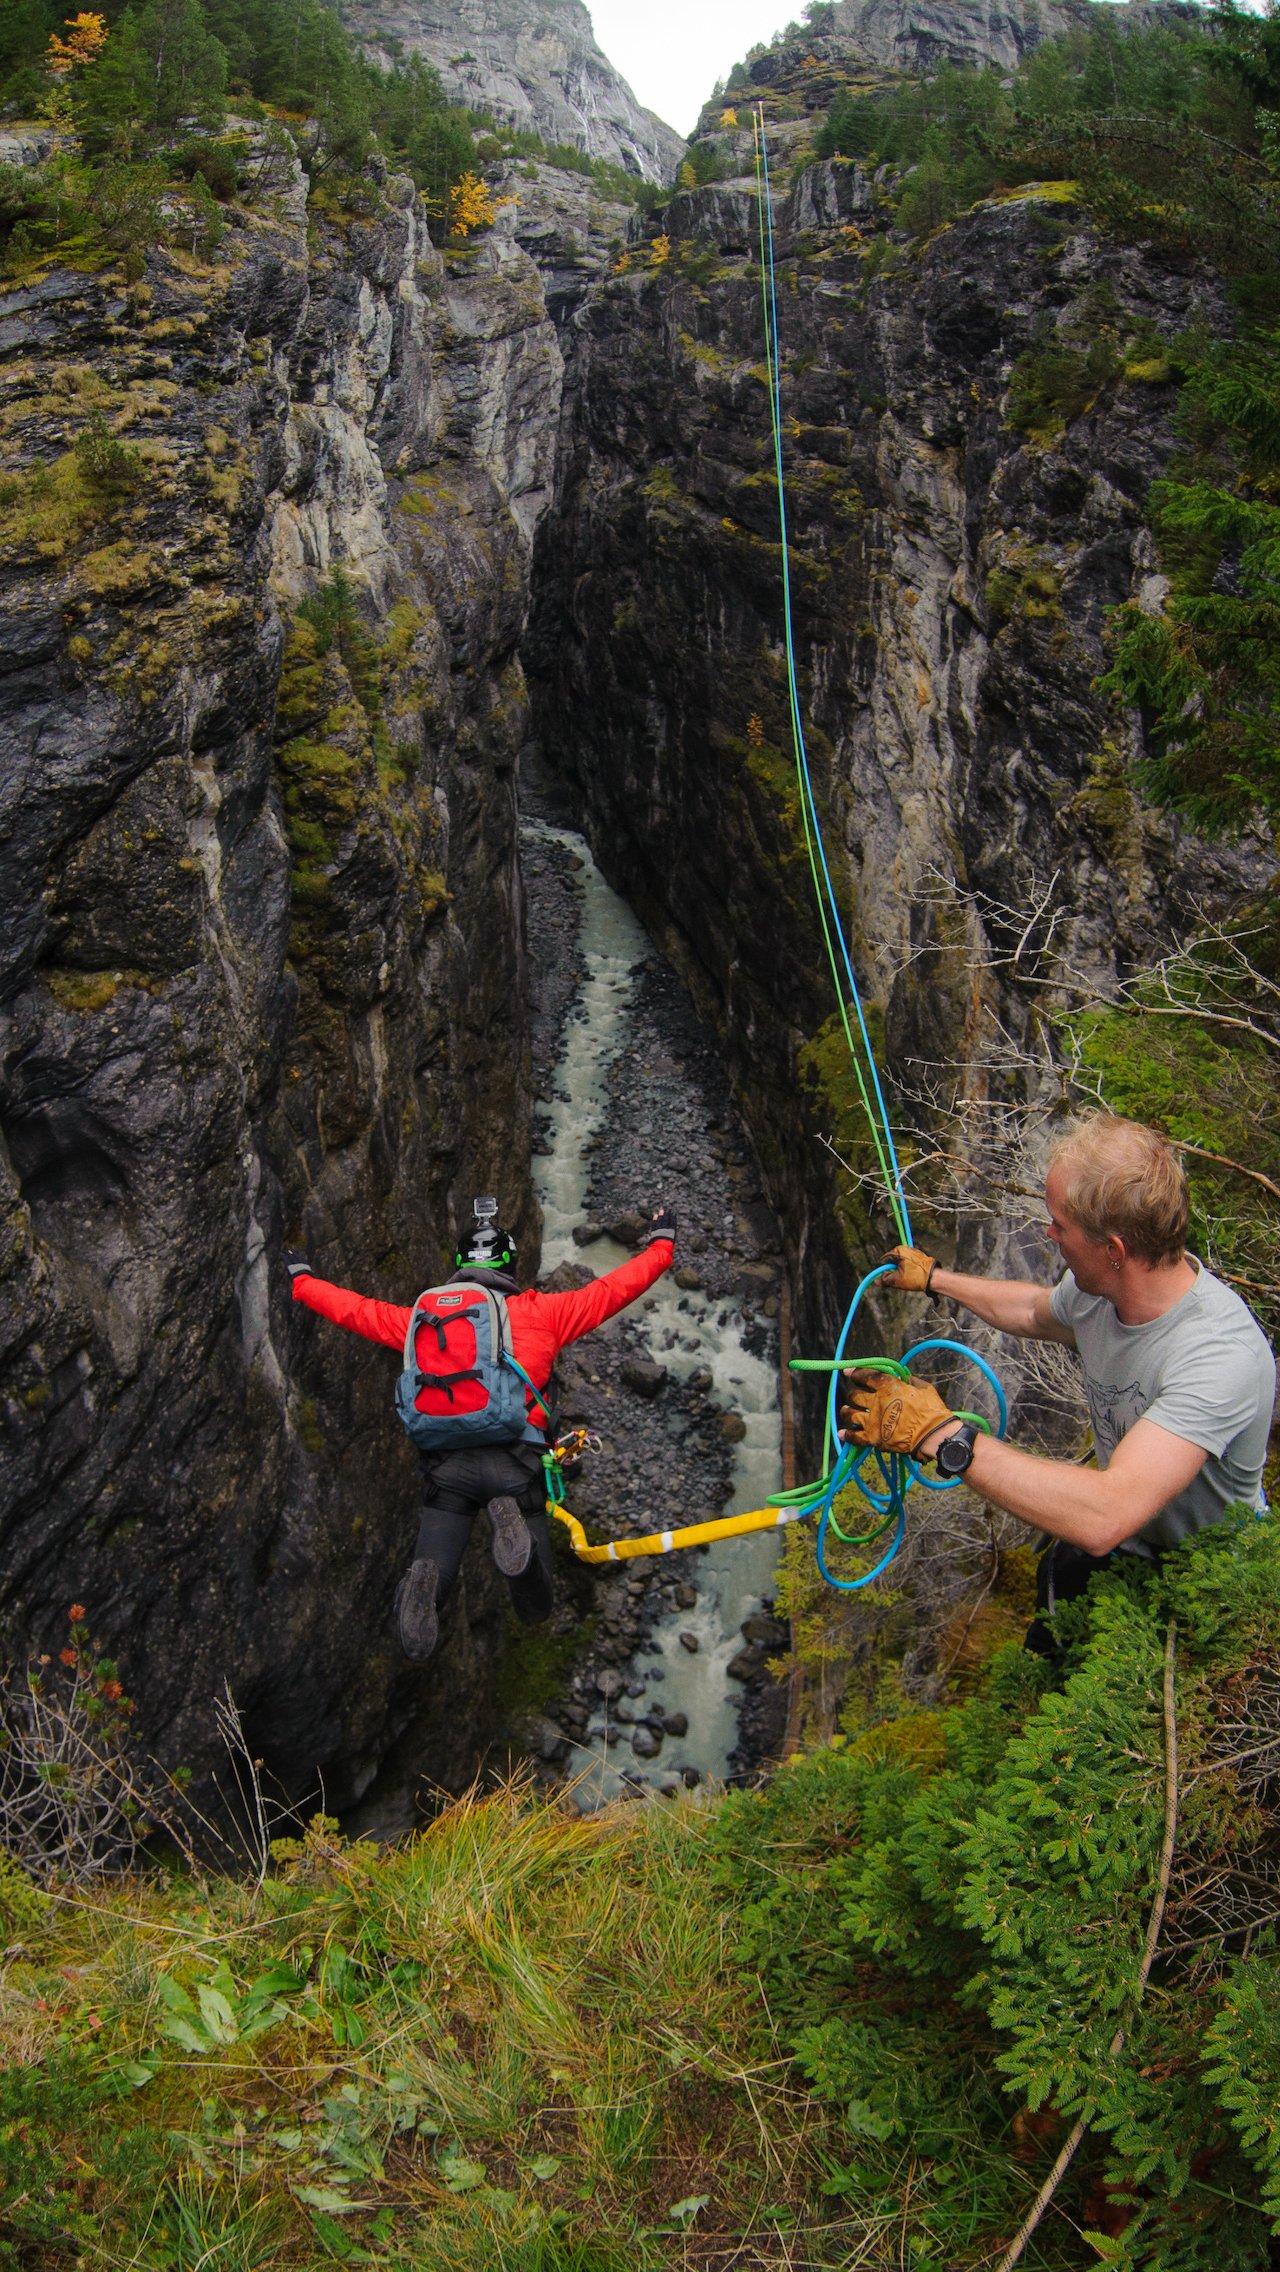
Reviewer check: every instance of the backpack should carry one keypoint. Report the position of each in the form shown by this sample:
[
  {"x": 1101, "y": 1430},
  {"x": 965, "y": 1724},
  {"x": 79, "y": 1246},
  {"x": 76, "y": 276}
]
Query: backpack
[{"x": 461, "y": 1385}]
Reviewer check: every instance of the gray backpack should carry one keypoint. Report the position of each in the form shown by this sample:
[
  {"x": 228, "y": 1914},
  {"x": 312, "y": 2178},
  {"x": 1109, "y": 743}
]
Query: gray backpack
[{"x": 461, "y": 1385}]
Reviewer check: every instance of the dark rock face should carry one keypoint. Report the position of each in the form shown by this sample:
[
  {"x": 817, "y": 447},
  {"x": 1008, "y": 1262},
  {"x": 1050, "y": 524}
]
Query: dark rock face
[
  {"x": 950, "y": 584},
  {"x": 917, "y": 35},
  {"x": 260, "y": 972}
]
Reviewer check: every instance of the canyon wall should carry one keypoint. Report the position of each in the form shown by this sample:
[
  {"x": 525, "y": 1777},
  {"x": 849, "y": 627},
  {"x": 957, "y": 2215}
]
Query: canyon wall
[
  {"x": 535, "y": 69},
  {"x": 951, "y": 578},
  {"x": 261, "y": 977}
]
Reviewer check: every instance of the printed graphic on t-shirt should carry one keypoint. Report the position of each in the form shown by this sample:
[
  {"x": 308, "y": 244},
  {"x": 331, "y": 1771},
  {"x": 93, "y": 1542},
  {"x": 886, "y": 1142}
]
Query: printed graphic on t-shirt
[{"x": 1115, "y": 1405}]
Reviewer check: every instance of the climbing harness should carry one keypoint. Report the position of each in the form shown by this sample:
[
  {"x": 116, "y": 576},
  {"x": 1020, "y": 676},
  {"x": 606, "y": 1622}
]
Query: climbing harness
[{"x": 881, "y": 1479}]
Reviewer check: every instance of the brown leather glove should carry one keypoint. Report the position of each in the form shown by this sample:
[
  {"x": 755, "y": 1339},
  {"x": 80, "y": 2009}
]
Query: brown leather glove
[
  {"x": 915, "y": 1267},
  {"x": 893, "y": 1415}
]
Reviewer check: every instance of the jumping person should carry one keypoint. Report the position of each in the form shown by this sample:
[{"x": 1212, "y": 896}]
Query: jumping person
[
  {"x": 505, "y": 1477},
  {"x": 1179, "y": 1376}
]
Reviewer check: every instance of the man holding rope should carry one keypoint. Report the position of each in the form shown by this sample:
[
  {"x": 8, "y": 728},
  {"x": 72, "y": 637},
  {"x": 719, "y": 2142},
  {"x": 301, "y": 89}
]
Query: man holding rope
[{"x": 1180, "y": 1378}]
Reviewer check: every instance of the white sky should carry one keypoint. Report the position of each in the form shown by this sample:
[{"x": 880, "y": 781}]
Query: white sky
[{"x": 671, "y": 52}]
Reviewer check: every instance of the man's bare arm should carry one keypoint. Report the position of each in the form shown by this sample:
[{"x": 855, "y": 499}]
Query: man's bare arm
[
  {"x": 1096, "y": 1508},
  {"x": 1012, "y": 1305}
]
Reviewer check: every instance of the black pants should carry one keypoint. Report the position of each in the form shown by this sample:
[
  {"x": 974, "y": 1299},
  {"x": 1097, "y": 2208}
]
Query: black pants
[{"x": 458, "y": 1485}]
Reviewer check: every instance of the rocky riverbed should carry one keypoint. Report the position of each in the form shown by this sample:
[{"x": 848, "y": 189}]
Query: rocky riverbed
[{"x": 670, "y": 1685}]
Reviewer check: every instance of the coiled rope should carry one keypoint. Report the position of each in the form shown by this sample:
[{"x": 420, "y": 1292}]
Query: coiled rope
[{"x": 881, "y": 1479}]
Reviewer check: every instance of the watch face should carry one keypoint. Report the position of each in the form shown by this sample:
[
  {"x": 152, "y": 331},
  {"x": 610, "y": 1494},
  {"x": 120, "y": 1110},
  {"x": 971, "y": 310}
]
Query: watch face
[{"x": 955, "y": 1452}]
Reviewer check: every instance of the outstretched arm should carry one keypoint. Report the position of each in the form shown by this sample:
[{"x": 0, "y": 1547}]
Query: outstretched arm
[
  {"x": 571, "y": 1315},
  {"x": 1011, "y": 1305},
  {"x": 377, "y": 1321}
]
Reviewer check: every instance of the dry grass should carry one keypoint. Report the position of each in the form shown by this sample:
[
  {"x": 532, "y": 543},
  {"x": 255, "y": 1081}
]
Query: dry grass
[{"x": 519, "y": 2040}]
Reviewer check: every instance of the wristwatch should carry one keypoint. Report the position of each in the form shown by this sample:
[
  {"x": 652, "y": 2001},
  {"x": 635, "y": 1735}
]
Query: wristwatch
[{"x": 954, "y": 1453}]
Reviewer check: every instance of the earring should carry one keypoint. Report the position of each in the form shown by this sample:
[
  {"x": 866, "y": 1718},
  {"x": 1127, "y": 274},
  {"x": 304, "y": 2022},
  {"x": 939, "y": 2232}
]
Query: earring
[{"x": 1117, "y": 1266}]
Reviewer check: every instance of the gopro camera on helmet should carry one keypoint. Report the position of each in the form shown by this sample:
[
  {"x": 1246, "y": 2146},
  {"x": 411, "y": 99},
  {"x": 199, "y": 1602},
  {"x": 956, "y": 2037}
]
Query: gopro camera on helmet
[{"x": 485, "y": 1246}]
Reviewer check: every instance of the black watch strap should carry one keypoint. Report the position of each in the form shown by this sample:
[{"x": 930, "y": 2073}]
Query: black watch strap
[{"x": 954, "y": 1453}]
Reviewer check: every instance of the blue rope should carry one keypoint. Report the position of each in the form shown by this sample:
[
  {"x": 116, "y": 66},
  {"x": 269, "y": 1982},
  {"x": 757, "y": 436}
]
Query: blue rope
[
  {"x": 797, "y": 723},
  {"x": 897, "y": 1473}
]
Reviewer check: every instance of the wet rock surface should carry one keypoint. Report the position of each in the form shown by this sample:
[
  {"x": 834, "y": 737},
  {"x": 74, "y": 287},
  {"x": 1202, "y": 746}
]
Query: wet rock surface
[
  {"x": 669, "y": 1133},
  {"x": 259, "y": 978},
  {"x": 952, "y": 577}
]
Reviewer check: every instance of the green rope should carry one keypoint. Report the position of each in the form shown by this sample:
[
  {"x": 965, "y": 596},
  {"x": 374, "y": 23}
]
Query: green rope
[{"x": 877, "y": 1119}]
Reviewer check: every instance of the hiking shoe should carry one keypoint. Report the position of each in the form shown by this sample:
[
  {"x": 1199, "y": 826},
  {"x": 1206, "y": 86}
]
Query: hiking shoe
[
  {"x": 416, "y": 1616},
  {"x": 512, "y": 1544}
]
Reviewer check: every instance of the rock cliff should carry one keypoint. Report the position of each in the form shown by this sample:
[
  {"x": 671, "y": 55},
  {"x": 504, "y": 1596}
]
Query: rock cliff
[
  {"x": 266, "y": 533},
  {"x": 538, "y": 70},
  {"x": 951, "y": 582}
]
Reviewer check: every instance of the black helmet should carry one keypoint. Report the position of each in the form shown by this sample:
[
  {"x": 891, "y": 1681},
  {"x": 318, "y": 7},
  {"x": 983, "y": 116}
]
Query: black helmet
[{"x": 485, "y": 1246}]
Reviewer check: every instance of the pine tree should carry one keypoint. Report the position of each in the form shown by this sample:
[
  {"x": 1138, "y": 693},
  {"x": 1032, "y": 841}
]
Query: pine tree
[{"x": 1205, "y": 667}]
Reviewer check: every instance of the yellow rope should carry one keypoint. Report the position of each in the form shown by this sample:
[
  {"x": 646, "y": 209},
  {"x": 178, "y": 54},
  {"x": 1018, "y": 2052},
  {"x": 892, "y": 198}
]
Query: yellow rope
[{"x": 669, "y": 1541}]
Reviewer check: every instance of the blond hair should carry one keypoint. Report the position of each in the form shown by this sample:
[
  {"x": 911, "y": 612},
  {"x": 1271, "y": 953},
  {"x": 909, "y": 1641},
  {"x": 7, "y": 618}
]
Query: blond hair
[{"x": 1121, "y": 1180}]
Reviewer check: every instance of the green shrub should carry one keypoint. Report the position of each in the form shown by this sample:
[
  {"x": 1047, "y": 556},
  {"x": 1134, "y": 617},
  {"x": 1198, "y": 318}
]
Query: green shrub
[
  {"x": 950, "y": 1947},
  {"x": 1058, "y": 377},
  {"x": 108, "y": 465}
]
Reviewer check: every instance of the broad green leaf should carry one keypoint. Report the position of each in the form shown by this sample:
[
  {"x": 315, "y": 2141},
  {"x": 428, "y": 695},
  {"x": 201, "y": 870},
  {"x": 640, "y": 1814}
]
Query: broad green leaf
[
  {"x": 190, "y": 2038},
  {"x": 218, "y": 2017},
  {"x": 461, "y": 2175},
  {"x": 175, "y": 1996}
]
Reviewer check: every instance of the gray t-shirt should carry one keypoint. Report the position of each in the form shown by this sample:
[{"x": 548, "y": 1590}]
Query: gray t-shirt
[{"x": 1204, "y": 1371}]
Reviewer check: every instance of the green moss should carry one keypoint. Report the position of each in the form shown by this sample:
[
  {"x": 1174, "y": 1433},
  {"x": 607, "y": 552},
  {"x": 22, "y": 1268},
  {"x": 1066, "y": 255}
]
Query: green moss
[
  {"x": 301, "y": 697},
  {"x": 423, "y": 495},
  {"x": 310, "y": 1432},
  {"x": 1040, "y": 193},
  {"x": 322, "y": 767},
  {"x": 83, "y": 990},
  {"x": 23, "y": 1907},
  {"x": 47, "y": 509},
  {"x": 1150, "y": 371},
  {"x": 1061, "y": 375},
  {"x": 662, "y": 488},
  {"x": 403, "y": 625},
  {"x": 1025, "y": 583},
  {"x": 1107, "y": 804},
  {"x": 433, "y": 892},
  {"x": 537, "y": 1664},
  {"x": 828, "y": 1069}
]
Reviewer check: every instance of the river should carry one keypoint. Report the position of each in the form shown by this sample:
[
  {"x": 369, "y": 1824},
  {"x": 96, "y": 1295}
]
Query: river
[{"x": 634, "y": 1110}]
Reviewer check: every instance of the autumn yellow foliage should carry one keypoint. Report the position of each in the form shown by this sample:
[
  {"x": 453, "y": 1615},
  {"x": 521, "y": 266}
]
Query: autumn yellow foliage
[
  {"x": 471, "y": 206},
  {"x": 87, "y": 36}
]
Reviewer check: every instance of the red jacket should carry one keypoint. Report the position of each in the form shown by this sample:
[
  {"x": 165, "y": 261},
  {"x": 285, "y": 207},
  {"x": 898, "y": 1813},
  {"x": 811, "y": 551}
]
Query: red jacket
[{"x": 541, "y": 1324}]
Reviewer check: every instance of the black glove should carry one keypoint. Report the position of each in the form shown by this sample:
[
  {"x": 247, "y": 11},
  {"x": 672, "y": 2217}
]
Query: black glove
[
  {"x": 298, "y": 1266},
  {"x": 663, "y": 1226}
]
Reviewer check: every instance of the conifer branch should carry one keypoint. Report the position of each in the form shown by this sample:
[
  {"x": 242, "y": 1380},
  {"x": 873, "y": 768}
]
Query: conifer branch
[{"x": 1013, "y": 2254}]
